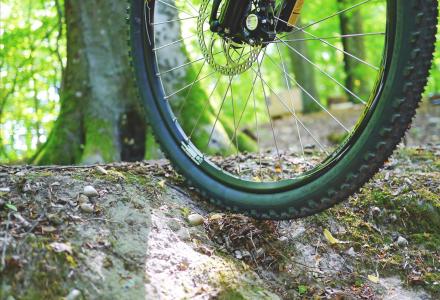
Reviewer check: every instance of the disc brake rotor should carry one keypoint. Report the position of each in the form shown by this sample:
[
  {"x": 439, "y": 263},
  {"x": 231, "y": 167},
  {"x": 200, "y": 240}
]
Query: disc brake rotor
[{"x": 222, "y": 54}]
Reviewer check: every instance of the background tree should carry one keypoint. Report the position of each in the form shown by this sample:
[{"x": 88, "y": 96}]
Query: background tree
[
  {"x": 351, "y": 23},
  {"x": 303, "y": 71},
  {"x": 67, "y": 92},
  {"x": 100, "y": 119}
]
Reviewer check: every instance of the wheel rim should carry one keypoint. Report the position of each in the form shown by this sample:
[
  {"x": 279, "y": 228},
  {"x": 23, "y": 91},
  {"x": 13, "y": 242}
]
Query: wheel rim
[{"x": 209, "y": 164}]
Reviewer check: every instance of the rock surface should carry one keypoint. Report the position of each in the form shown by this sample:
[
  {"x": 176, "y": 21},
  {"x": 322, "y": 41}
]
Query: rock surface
[{"x": 138, "y": 242}]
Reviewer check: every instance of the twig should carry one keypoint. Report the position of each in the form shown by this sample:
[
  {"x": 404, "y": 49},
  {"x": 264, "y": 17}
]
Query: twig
[{"x": 5, "y": 243}]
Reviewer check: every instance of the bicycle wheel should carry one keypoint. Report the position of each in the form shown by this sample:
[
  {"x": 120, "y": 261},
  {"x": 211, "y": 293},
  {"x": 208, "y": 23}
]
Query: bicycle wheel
[{"x": 213, "y": 74}]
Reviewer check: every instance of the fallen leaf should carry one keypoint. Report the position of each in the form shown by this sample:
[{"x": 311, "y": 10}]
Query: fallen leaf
[
  {"x": 373, "y": 278},
  {"x": 329, "y": 237},
  {"x": 48, "y": 229},
  {"x": 215, "y": 217},
  {"x": 61, "y": 247},
  {"x": 71, "y": 261},
  {"x": 11, "y": 206},
  {"x": 162, "y": 183}
]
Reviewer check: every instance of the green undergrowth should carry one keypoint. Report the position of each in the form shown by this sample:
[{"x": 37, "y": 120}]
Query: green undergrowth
[{"x": 403, "y": 203}]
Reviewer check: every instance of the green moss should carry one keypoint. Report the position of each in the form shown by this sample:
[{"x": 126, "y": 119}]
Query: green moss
[
  {"x": 337, "y": 138},
  {"x": 428, "y": 240},
  {"x": 416, "y": 154},
  {"x": 152, "y": 148},
  {"x": 100, "y": 145},
  {"x": 43, "y": 276}
]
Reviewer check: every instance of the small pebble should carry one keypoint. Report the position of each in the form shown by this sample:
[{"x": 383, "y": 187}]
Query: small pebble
[
  {"x": 83, "y": 199},
  {"x": 90, "y": 191},
  {"x": 101, "y": 170},
  {"x": 401, "y": 241},
  {"x": 86, "y": 207},
  {"x": 283, "y": 239},
  {"x": 5, "y": 190},
  {"x": 237, "y": 254},
  {"x": 55, "y": 219},
  {"x": 74, "y": 294},
  {"x": 393, "y": 218},
  {"x": 375, "y": 211},
  {"x": 351, "y": 252},
  {"x": 195, "y": 219}
]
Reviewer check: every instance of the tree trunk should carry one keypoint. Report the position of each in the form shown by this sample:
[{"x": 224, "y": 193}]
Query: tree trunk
[
  {"x": 100, "y": 119},
  {"x": 304, "y": 72},
  {"x": 189, "y": 103},
  {"x": 351, "y": 23}
]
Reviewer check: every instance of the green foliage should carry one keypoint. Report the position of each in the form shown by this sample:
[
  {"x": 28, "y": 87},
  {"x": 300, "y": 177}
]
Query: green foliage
[
  {"x": 32, "y": 55},
  {"x": 302, "y": 289}
]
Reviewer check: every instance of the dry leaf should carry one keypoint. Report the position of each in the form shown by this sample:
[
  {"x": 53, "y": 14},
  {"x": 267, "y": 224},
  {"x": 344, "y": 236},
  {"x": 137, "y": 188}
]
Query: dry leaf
[
  {"x": 61, "y": 247},
  {"x": 48, "y": 229},
  {"x": 373, "y": 278},
  {"x": 162, "y": 183},
  {"x": 329, "y": 237}
]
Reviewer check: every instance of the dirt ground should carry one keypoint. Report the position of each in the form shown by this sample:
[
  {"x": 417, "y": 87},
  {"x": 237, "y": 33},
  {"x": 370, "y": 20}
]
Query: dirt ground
[
  {"x": 424, "y": 130},
  {"x": 134, "y": 231}
]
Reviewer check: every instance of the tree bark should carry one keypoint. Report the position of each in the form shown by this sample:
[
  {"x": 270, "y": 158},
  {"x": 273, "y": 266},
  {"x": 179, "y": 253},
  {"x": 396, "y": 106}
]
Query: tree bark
[
  {"x": 100, "y": 119},
  {"x": 304, "y": 72},
  {"x": 351, "y": 23}
]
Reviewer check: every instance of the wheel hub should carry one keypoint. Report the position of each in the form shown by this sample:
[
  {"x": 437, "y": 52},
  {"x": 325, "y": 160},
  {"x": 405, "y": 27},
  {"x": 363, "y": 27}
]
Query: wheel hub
[{"x": 225, "y": 51}]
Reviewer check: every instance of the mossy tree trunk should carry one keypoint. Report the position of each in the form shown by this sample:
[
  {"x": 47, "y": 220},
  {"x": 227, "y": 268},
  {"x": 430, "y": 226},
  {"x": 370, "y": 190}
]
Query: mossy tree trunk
[{"x": 99, "y": 119}]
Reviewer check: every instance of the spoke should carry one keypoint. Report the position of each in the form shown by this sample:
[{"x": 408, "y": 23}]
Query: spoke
[
  {"x": 177, "y": 41},
  {"x": 310, "y": 95},
  {"x": 258, "y": 73},
  {"x": 189, "y": 85},
  {"x": 184, "y": 65},
  {"x": 175, "y": 7},
  {"x": 288, "y": 108},
  {"x": 258, "y": 131},
  {"x": 174, "y": 20},
  {"x": 207, "y": 102},
  {"x": 190, "y": 89},
  {"x": 192, "y": 6},
  {"x": 244, "y": 109},
  {"x": 219, "y": 111},
  {"x": 235, "y": 128},
  {"x": 291, "y": 100},
  {"x": 330, "y": 16},
  {"x": 324, "y": 72},
  {"x": 344, "y": 36},
  {"x": 181, "y": 66},
  {"x": 334, "y": 47}
]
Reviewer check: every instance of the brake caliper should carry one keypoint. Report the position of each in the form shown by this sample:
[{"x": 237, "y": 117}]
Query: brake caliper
[{"x": 244, "y": 21}]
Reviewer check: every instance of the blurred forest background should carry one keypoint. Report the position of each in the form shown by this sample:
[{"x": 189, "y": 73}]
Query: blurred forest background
[{"x": 67, "y": 94}]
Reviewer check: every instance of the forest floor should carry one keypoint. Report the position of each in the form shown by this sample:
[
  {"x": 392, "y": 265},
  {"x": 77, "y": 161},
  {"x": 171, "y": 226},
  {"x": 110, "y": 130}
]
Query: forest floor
[
  {"x": 140, "y": 234},
  {"x": 425, "y": 128}
]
